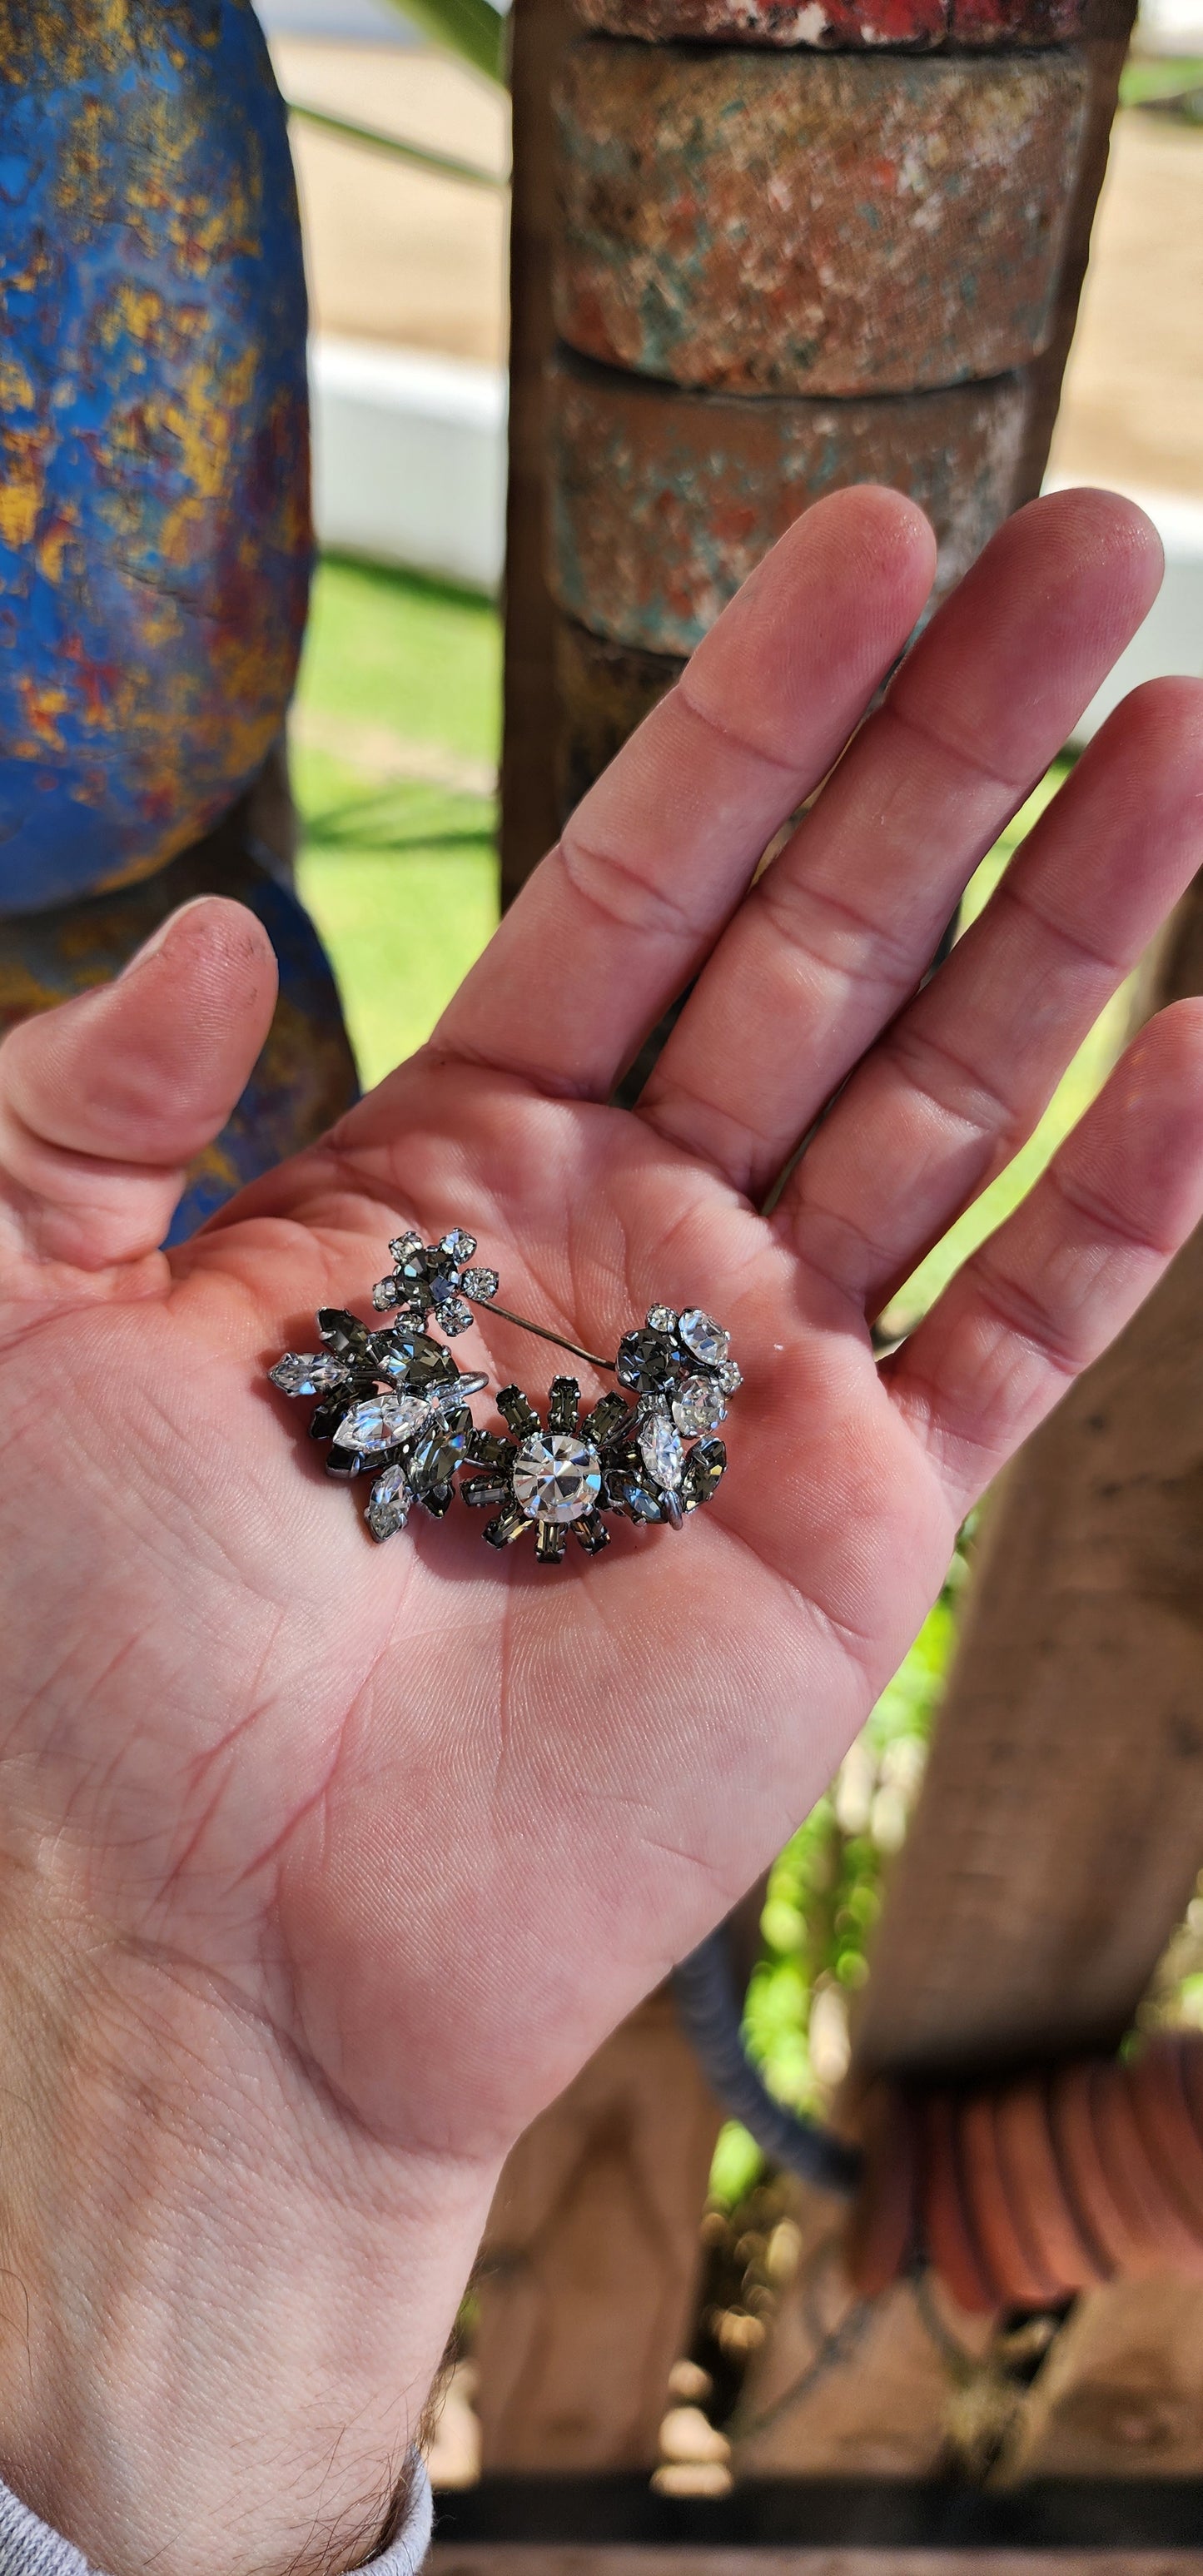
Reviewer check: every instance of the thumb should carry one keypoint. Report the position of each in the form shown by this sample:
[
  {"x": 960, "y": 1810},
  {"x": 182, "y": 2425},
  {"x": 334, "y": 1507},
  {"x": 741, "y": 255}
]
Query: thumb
[{"x": 104, "y": 1101}]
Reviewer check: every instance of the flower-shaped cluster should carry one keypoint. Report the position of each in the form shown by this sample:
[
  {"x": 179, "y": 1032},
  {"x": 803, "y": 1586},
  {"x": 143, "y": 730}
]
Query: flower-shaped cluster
[
  {"x": 431, "y": 1278},
  {"x": 392, "y": 1403},
  {"x": 683, "y": 1360},
  {"x": 621, "y": 1458}
]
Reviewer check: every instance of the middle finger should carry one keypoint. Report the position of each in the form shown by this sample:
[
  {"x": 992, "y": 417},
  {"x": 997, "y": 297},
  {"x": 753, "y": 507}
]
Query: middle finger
[{"x": 839, "y": 930}]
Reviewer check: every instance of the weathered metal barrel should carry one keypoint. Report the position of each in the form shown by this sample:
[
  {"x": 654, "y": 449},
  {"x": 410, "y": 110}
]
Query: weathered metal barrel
[
  {"x": 802, "y": 244},
  {"x": 808, "y": 223},
  {"x": 663, "y": 500}
]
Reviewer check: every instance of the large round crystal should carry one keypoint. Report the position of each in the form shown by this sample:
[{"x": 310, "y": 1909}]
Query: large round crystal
[
  {"x": 701, "y": 1335},
  {"x": 556, "y": 1477}
]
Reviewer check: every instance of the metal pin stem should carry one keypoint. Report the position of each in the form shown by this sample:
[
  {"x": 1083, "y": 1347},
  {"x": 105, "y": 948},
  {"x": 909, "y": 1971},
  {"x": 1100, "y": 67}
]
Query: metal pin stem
[{"x": 489, "y": 1306}]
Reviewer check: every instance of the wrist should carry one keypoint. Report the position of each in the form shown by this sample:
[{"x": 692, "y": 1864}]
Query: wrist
[{"x": 222, "y": 2305}]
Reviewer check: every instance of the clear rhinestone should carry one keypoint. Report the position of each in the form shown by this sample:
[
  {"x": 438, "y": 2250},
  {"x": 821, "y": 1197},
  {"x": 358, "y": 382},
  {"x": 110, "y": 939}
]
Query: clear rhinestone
[
  {"x": 661, "y": 1451},
  {"x": 706, "y": 1339},
  {"x": 698, "y": 1406},
  {"x": 403, "y": 1246},
  {"x": 385, "y": 1294},
  {"x": 379, "y": 1421},
  {"x": 730, "y": 1377},
  {"x": 461, "y": 1246},
  {"x": 455, "y": 1317},
  {"x": 308, "y": 1372},
  {"x": 389, "y": 1502},
  {"x": 557, "y": 1477},
  {"x": 481, "y": 1284},
  {"x": 661, "y": 1319}
]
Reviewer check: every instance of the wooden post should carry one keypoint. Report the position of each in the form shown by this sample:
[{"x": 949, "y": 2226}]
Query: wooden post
[
  {"x": 590, "y": 2265},
  {"x": 529, "y": 809},
  {"x": 1060, "y": 1829}
]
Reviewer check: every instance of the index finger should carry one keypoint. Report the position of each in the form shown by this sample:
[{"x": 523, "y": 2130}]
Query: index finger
[{"x": 649, "y": 868}]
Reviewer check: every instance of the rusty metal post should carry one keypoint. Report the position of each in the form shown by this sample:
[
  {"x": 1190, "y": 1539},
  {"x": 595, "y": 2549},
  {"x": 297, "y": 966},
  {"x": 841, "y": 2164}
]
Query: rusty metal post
[{"x": 799, "y": 247}]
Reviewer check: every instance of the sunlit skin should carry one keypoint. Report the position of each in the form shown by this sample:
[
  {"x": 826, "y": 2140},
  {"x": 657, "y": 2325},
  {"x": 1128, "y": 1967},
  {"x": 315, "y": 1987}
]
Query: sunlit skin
[{"x": 327, "y": 1864}]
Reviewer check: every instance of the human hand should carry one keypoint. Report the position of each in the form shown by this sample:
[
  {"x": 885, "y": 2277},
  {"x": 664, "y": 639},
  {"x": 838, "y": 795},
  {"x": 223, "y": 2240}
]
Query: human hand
[{"x": 326, "y": 1865}]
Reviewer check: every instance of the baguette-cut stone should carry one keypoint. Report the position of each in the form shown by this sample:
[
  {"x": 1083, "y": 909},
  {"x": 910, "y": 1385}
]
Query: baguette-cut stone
[{"x": 557, "y": 1477}]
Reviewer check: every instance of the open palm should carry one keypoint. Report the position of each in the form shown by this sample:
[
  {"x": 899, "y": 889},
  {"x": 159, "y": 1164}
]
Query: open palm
[{"x": 424, "y": 1819}]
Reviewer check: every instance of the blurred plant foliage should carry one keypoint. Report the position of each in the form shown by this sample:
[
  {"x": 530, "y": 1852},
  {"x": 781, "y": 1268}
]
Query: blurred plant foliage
[{"x": 825, "y": 1894}]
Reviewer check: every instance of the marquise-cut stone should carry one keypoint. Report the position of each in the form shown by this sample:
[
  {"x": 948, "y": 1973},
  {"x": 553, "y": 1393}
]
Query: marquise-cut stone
[
  {"x": 379, "y": 1421},
  {"x": 308, "y": 1372},
  {"x": 433, "y": 1462},
  {"x": 389, "y": 1502},
  {"x": 661, "y": 1451},
  {"x": 698, "y": 1406},
  {"x": 704, "y": 1470},
  {"x": 343, "y": 1333},
  {"x": 557, "y": 1477},
  {"x": 706, "y": 1339},
  {"x": 427, "y": 1362}
]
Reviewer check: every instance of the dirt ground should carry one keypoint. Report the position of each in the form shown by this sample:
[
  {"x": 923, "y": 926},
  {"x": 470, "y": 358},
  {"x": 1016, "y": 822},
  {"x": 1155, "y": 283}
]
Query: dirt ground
[{"x": 395, "y": 255}]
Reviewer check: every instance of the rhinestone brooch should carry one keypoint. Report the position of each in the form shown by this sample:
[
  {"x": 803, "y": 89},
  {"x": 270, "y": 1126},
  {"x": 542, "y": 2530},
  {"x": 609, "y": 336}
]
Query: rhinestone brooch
[{"x": 391, "y": 1401}]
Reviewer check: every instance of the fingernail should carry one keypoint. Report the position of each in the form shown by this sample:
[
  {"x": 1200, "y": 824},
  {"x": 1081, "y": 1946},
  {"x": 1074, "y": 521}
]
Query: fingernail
[{"x": 158, "y": 937}]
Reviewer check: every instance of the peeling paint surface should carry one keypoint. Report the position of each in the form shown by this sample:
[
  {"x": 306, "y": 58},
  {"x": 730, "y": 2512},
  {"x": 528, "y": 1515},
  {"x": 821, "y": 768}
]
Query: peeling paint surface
[
  {"x": 663, "y": 501},
  {"x": 305, "y": 1076},
  {"x": 813, "y": 223},
  {"x": 154, "y": 516}
]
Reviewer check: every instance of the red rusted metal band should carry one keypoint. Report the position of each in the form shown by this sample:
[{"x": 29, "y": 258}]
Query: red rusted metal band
[
  {"x": 843, "y": 26},
  {"x": 662, "y": 501},
  {"x": 806, "y": 223}
]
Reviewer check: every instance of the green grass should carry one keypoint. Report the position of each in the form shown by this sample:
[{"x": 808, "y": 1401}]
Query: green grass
[
  {"x": 400, "y": 876},
  {"x": 389, "y": 648},
  {"x": 1084, "y": 1079},
  {"x": 1158, "y": 76}
]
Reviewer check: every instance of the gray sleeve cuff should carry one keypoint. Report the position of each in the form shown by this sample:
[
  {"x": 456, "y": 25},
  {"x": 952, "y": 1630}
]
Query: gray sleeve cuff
[{"x": 29, "y": 2547}]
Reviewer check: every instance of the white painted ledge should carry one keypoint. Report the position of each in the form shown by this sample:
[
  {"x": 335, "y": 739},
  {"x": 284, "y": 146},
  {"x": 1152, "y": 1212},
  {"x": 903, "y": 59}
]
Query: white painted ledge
[
  {"x": 409, "y": 469},
  {"x": 409, "y": 459}
]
